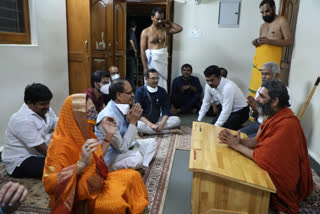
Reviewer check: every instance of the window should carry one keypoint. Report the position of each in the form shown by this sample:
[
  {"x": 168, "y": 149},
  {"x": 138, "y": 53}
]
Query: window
[{"x": 14, "y": 22}]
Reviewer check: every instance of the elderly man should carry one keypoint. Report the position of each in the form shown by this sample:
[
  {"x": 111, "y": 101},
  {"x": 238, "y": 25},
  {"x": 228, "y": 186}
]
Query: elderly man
[
  {"x": 186, "y": 92},
  {"x": 280, "y": 148},
  {"x": 270, "y": 70},
  {"x": 155, "y": 118},
  {"x": 124, "y": 152},
  {"x": 100, "y": 82},
  {"x": 153, "y": 44},
  {"x": 275, "y": 34},
  {"x": 235, "y": 109},
  {"x": 29, "y": 133}
]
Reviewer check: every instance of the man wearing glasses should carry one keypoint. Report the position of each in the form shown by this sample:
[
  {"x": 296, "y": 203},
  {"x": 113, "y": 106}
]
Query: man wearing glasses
[
  {"x": 153, "y": 99},
  {"x": 124, "y": 152}
]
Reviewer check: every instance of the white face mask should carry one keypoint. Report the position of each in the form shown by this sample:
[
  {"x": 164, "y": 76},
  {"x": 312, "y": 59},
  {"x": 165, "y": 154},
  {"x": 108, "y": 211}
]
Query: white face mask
[
  {"x": 152, "y": 90},
  {"x": 105, "y": 89},
  {"x": 124, "y": 108},
  {"x": 114, "y": 77}
]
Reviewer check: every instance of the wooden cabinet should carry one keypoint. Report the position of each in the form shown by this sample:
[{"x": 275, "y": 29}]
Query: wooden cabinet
[{"x": 96, "y": 39}]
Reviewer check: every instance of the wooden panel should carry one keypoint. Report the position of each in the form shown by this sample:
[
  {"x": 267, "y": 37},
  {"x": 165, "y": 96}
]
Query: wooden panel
[
  {"x": 120, "y": 36},
  {"x": 209, "y": 156},
  {"x": 78, "y": 24},
  {"x": 213, "y": 194},
  {"x": 78, "y": 73}
]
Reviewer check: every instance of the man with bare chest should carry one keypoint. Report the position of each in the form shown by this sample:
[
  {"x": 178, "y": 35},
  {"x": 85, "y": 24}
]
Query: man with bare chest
[
  {"x": 154, "y": 53},
  {"x": 275, "y": 33}
]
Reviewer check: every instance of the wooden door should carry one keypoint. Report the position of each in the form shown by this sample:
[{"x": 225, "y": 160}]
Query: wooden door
[
  {"x": 102, "y": 38},
  {"x": 79, "y": 45},
  {"x": 120, "y": 19},
  {"x": 288, "y": 9}
]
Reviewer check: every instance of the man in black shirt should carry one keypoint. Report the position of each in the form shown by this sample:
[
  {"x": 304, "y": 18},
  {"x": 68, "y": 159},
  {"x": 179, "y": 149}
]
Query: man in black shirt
[{"x": 131, "y": 52}]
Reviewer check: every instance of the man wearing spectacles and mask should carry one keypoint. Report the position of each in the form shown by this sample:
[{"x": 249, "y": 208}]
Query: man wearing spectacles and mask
[
  {"x": 124, "y": 152},
  {"x": 154, "y": 101}
]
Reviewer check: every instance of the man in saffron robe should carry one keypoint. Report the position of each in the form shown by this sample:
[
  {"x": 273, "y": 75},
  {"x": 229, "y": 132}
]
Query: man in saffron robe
[
  {"x": 280, "y": 148},
  {"x": 275, "y": 34},
  {"x": 75, "y": 175}
]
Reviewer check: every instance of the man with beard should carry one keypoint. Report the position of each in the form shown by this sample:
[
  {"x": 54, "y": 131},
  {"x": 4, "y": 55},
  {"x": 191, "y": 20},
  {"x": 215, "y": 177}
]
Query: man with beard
[
  {"x": 269, "y": 71},
  {"x": 186, "y": 92},
  {"x": 153, "y": 44},
  {"x": 274, "y": 34},
  {"x": 280, "y": 148},
  {"x": 154, "y": 101},
  {"x": 28, "y": 134}
]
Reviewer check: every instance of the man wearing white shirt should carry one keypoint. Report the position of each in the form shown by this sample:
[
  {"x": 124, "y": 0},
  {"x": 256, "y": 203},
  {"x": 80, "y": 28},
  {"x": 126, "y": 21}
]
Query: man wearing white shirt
[
  {"x": 269, "y": 71},
  {"x": 29, "y": 133},
  {"x": 235, "y": 109}
]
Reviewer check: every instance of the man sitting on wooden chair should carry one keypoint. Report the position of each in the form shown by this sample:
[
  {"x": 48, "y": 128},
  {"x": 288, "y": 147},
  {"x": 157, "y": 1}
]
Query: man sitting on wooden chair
[{"x": 280, "y": 148}]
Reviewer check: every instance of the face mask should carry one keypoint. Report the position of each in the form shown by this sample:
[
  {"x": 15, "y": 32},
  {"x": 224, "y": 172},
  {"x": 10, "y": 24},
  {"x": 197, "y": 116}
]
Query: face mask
[
  {"x": 114, "y": 77},
  {"x": 105, "y": 89},
  {"x": 124, "y": 108},
  {"x": 152, "y": 90}
]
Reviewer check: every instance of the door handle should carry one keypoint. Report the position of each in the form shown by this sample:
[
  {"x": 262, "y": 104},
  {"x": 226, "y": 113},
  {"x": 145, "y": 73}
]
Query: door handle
[{"x": 86, "y": 45}]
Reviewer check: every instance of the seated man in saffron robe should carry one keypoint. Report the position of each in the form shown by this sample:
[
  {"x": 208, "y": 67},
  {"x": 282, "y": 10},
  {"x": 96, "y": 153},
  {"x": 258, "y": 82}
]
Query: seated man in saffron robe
[{"x": 280, "y": 148}]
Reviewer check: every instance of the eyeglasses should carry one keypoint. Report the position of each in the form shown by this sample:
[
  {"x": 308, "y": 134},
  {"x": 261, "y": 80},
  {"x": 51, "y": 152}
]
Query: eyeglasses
[
  {"x": 130, "y": 92},
  {"x": 154, "y": 78}
]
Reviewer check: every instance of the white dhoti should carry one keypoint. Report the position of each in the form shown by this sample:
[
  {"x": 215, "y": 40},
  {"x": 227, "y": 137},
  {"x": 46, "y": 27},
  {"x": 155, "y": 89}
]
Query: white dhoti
[
  {"x": 158, "y": 59},
  {"x": 172, "y": 122}
]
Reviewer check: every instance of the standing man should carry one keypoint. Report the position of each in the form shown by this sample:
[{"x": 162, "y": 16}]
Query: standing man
[
  {"x": 275, "y": 33},
  {"x": 154, "y": 53},
  {"x": 235, "y": 110},
  {"x": 186, "y": 92},
  {"x": 132, "y": 52},
  {"x": 280, "y": 148},
  {"x": 154, "y": 101},
  {"x": 28, "y": 134}
]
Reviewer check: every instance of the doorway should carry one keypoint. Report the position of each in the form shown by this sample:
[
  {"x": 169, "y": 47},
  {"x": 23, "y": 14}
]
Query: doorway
[{"x": 140, "y": 12}]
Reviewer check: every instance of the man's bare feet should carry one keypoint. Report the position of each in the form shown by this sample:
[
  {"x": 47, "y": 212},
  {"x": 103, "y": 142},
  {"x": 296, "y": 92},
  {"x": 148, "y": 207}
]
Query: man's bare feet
[{"x": 175, "y": 131}]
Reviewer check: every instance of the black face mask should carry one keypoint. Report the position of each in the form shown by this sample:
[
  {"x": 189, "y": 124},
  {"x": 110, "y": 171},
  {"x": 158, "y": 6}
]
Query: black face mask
[{"x": 268, "y": 19}]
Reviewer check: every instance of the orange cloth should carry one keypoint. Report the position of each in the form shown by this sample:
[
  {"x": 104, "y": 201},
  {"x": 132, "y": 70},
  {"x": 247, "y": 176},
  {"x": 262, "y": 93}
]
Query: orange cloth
[
  {"x": 68, "y": 192},
  {"x": 282, "y": 152}
]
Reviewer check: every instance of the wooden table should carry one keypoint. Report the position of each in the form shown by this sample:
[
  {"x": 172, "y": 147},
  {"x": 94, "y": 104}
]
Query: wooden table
[{"x": 225, "y": 181}]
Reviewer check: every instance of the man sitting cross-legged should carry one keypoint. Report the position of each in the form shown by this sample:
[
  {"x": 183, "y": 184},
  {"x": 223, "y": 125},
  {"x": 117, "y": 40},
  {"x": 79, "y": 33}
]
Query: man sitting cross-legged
[
  {"x": 29, "y": 133},
  {"x": 186, "y": 92},
  {"x": 124, "y": 151},
  {"x": 154, "y": 102},
  {"x": 280, "y": 148}
]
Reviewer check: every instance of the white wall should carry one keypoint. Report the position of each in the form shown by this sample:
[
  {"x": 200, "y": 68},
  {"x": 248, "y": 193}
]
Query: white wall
[
  {"x": 226, "y": 47},
  {"x": 44, "y": 61},
  {"x": 305, "y": 67}
]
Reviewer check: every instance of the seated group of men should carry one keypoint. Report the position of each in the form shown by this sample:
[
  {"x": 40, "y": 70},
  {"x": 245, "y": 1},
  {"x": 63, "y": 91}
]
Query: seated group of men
[{"x": 29, "y": 130}]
